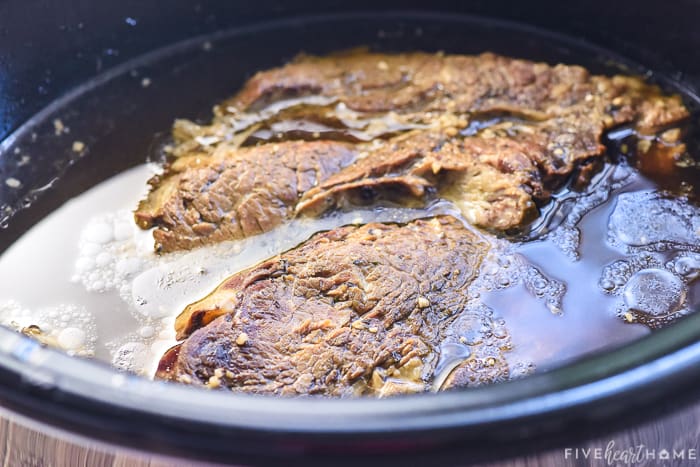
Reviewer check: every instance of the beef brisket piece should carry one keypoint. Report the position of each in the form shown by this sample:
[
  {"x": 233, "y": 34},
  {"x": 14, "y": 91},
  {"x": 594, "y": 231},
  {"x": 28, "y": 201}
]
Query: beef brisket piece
[
  {"x": 235, "y": 193},
  {"x": 356, "y": 310}
]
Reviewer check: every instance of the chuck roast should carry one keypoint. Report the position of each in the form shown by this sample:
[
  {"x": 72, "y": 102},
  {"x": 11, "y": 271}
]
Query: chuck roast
[
  {"x": 494, "y": 177},
  {"x": 415, "y": 110},
  {"x": 487, "y": 83},
  {"x": 356, "y": 310},
  {"x": 235, "y": 193}
]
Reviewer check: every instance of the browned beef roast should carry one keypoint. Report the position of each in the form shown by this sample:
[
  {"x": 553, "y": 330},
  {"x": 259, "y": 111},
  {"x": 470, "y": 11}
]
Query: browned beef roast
[
  {"x": 494, "y": 177},
  {"x": 356, "y": 310},
  {"x": 235, "y": 193},
  {"x": 486, "y": 83},
  {"x": 362, "y": 96},
  {"x": 213, "y": 190}
]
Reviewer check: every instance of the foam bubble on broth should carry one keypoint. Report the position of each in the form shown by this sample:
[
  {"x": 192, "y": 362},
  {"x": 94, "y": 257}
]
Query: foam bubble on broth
[
  {"x": 504, "y": 268},
  {"x": 132, "y": 356},
  {"x": 686, "y": 265},
  {"x": 482, "y": 338},
  {"x": 111, "y": 251},
  {"x": 560, "y": 219},
  {"x": 68, "y": 327},
  {"x": 649, "y": 220},
  {"x": 659, "y": 235},
  {"x": 650, "y": 289},
  {"x": 654, "y": 292}
]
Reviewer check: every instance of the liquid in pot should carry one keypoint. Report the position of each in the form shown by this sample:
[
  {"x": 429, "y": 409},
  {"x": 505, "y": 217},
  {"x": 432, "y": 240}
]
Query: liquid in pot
[{"x": 603, "y": 266}]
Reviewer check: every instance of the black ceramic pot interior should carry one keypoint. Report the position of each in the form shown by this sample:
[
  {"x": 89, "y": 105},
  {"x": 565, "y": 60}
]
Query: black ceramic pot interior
[{"x": 88, "y": 60}]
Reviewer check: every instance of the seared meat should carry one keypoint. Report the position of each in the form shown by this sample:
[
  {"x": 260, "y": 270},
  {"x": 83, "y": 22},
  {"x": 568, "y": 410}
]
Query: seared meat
[
  {"x": 354, "y": 310},
  {"x": 235, "y": 193},
  {"x": 362, "y": 96},
  {"x": 494, "y": 177},
  {"x": 553, "y": 118},
  {"x": 486, "y": 83}
]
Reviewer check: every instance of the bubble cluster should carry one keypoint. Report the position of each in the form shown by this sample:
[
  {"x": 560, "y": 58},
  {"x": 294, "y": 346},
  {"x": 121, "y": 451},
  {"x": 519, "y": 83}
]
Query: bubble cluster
[
  {"x": 520, "y": 369},
  {"x": 660, "y": 234},
  {"x": 649, "y": 221},
  {"x": 685, "y": 265},
  {"x": 567, "y": 239},
  {"x": 138, "y": 351},
  {"x": 651, "y": 291},
  {"x": 478, "y": 338},
  {"x": 615, "y": 275},
  {"x": 132, "y": 356},
  {"x": 502, "y": 269},
  {"x": 654, "y": 292},
  {"x": 14, "y": 315},
  {"x": 561, "y": 218},
  {"x": 549, "y": 290},
  {"x": 476, "y": 325},
  {"x": 66, "y": 327},
  {"x": 110, "y": 254}
]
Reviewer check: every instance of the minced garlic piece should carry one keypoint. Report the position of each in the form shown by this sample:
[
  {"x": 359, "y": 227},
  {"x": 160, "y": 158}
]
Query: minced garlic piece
[
  {"x": 214, "y": 382},
  {"x": 78, "y": 146},
  {"x": 241, "y": 339}
]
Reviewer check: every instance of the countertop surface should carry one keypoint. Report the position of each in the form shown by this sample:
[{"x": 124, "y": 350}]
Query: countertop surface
[{"x": 671, "y": 440}]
